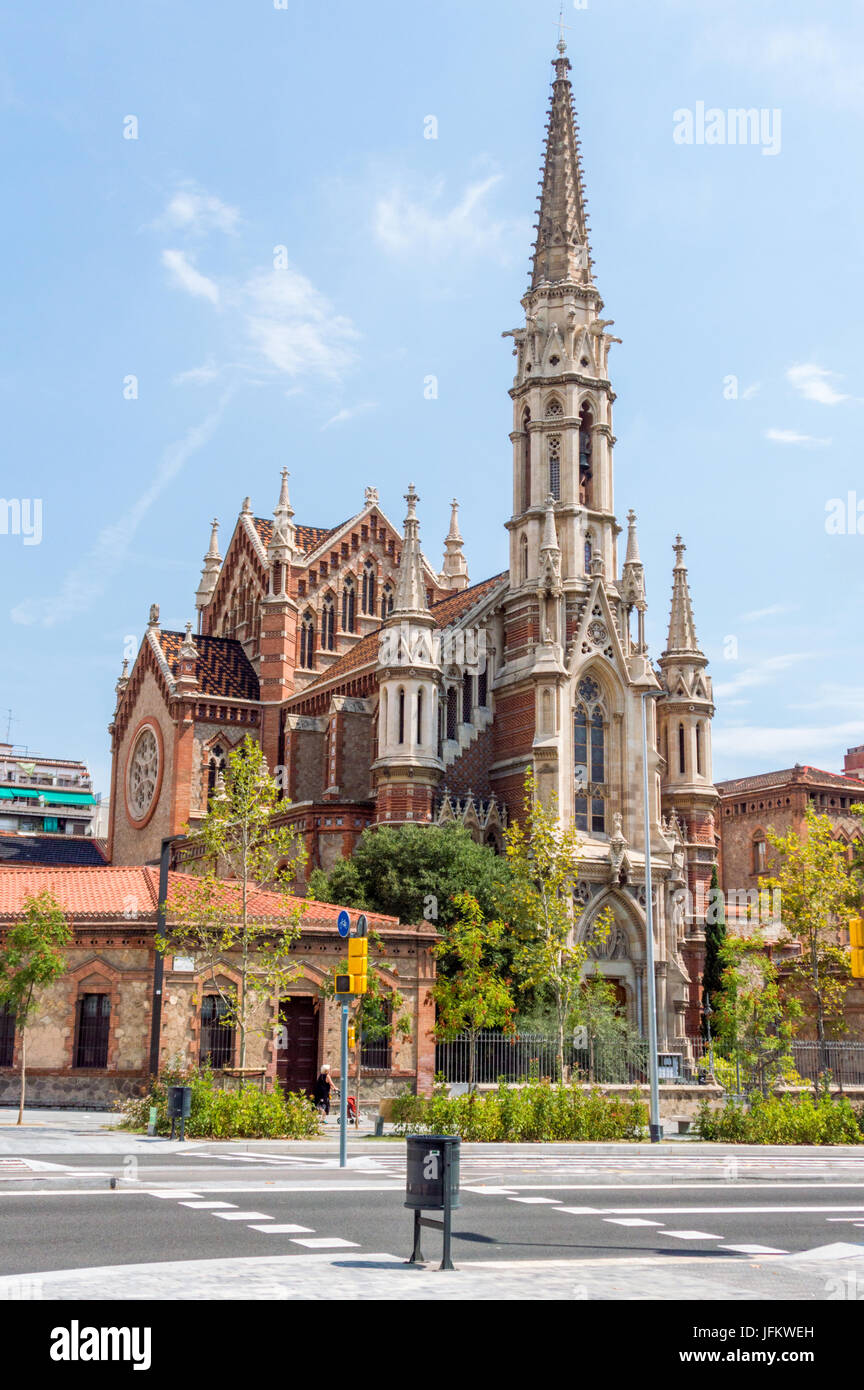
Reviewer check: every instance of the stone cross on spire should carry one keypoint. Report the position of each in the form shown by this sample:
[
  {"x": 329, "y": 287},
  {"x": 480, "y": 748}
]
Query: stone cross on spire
[
  {"x": 682, "y": 629},
  {"x": 561, "y": 251}
]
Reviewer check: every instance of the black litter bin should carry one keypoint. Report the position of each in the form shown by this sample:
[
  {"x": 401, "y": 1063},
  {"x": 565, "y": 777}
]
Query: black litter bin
[
  {"x": 179, "y": 1102},
  {"x": 432, "y": 1172}
]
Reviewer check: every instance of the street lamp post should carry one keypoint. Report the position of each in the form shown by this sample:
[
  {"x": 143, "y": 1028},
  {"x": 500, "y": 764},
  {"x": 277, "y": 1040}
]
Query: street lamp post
[
  {"x": 655, "y": 1128},
  {"x": 707, "y": 1011},
  {"x": 159, "y": 960}
]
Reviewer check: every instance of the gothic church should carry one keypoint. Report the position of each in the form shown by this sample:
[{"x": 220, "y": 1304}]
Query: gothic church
[{"x": 387, "y": 691}]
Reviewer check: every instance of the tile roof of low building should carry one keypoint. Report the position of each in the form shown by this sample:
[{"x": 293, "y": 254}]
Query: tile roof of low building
[
  {"x": 801, "y": 773},
  {"x": 130, "y": 893},
  {"x": 307, "y": 538},
  {"x": 224, "y": 669},
  {"x": 16, "y": 848}
]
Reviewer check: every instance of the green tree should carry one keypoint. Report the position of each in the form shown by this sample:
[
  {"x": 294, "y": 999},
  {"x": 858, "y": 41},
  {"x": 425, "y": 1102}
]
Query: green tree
[
  {"x": 816, "y": 897},
  {"x": 413, "y": 872},
  {"x": 473, "y": 995},
  {"x": 33, "y": 957},
  {"x": 715, "y": 936},
  {"x": 221, "y": 921},
  {"x": 615, "y": 1048},
  {"x": 753, "y": 1018},
  {"x": 545, "y": 858}
]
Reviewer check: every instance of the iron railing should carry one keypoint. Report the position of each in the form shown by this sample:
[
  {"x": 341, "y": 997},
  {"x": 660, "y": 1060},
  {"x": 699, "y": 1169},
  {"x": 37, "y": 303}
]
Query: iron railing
[{"x": 534, "y": 1056}]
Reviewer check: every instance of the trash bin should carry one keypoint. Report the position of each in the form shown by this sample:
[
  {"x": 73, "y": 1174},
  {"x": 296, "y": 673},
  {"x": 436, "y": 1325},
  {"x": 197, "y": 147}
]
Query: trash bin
[
  {"x": 179, "y": 1102},
  {"x": 432, "y": 1175}
]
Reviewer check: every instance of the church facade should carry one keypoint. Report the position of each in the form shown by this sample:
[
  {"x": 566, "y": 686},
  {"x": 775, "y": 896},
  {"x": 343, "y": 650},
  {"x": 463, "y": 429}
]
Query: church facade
[{"x": 385, "y": 690}]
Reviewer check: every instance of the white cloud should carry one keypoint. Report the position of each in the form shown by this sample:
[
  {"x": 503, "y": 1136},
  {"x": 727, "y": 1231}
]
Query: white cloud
[
  {"x": 762, "y": 673},
  {"x": 814, "y": 383},
  {"x": 750, "y": 391},
  {"x": 807, "y": 441},
  {"x": 85, "y": 583},
  {"x": 757, "y": 614},
  {"x": 200, "y": 376},
  {"x": 193, "y": 210},
  {"x": 425, "y": 227},
  {"x": 294, "y": 327},
  {"x": 348, "y": 413},
  {"x": 188, "y": 278}
]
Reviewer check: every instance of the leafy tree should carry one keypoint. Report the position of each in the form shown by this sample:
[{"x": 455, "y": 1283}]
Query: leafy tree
[
  {"x": 816, "y": 895},
  {"x": 752, "y": 1016},
  {"x": 32, "y": 958},
  {"x": 474, "y": 995},
  {"x": 545, "y": 859},
  {"x": 414, "y": 872},
  {"x": 614, "y": 1045},
  {"x": 715, "y": 935},
  {"x": 223, "y": 921}
]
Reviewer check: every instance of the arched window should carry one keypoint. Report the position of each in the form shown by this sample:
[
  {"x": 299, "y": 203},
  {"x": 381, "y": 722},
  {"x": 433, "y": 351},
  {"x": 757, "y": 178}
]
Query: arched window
[
  {"x": 386, "y": 600},
  {"x": 368, "y": 587},
  {"x": 554, "y": 408},
  {"x": 699, "y": 767},
  {"x": 483, "y": 687},
  {"x": 682, "y": 761},
  {"x": 586, "y": 426},
  {"x": 215, "y": 765},
  {"x": 382, "y": 719},
  {"x": 523, "y": 559},
  {"x": 348, "y": 601},
  {"x": 526, "y": 461},
  {"x": 546, "y": 726},
  {"x": 328, "y": 626},
  {"x": 467, "y": 697},
  {"x": 589, "y": 758},
  {"x": 419, "y": 717},
  {"x": 452, "y": 712},
  {"x": 307, "y": 641},
  {"x": 555, "y": 466},
  {"x": 759, "y": 853},
  {"x": 401, "y": 738},
  {"x": 589, "y": 552}
]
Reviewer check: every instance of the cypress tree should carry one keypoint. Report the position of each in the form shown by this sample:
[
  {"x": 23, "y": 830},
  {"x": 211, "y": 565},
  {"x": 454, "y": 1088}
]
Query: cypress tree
[{"x": 715, "y": 935}]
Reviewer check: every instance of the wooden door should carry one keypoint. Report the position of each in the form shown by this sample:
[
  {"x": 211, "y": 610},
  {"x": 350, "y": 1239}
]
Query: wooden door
[{"x": 297, "y": 1057}]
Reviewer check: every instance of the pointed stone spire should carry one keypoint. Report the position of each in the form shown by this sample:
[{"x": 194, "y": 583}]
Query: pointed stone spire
[
  {"x": 410, "y": 596},
  {"x": 280, "y": 551},
  {"x": 454, "y": 574},
  {"x": 210, "y": 572},
  {"x": 122, "y": 680},
  {"x": 682, "y": 629},
  {"x": 561, "y": 251},
  {"x": 187, "y": 670},
  {"x": 633, "y": 574}
]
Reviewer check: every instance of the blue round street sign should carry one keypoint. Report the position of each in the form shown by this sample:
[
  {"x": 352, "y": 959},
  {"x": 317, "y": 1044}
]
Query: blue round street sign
[{"x": 343, "y": 922}]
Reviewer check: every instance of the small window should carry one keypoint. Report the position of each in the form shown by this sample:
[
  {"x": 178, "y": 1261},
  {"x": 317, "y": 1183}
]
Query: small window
[
  {"x": 419, "y": 717},
  {"x": 7, "y": 1036},
  {"x": 348, "y": 605},
  {"x": 217, "y": 1036},
  {"x": 523, "y": 559},
  {"x": 386, "y": 601},
  {"x": 467, "y": 697},
  {"x": 328, "y": 626},
  {"x": 759, "y": 855},
  {"x": 451, "y": 712},
  {"x": 368, "y": 587},
  {"x": 555, "y": 467},
  {"x": 307, "y": 642},
  {"x": 483, "y": 688},
  {"x": 401, "y": 716},
  {"x": 682, "y": 763},
  {"x": 92, "y": 1024}
]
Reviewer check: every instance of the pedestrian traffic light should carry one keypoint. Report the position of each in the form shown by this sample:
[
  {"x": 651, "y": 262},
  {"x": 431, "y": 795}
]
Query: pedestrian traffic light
[
  {"x": 856, "y": 944},
  {"x": 352, "y": 1035},
  {"x": 358, "y": 963},
  {"x": 343, "y": 984}
]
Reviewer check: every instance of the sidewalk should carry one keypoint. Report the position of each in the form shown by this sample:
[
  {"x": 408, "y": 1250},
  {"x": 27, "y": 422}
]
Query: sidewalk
[{"x": 387, "y": 1277}]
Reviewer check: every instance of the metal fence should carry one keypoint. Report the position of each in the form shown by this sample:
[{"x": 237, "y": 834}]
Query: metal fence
[{"x": 534, "y": 1056}]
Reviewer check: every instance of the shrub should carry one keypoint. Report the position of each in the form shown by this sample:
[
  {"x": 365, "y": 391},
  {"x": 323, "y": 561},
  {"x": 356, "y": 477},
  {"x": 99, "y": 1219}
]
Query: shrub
[
  {"x": 783, "y": 1120},
  {"x": 247, "y": 1113},
  {"x": 534, "y": 1113}
]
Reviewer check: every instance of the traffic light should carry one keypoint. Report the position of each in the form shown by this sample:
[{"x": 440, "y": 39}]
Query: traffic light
[
  {"x": 352, "y": 1035},
  {"x": 856, "y": 943},
  {"x": 358, "y": 963}
]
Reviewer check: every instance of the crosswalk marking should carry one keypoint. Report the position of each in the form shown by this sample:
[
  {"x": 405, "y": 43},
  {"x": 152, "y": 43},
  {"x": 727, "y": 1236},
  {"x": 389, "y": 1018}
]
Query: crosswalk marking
[
  {"x": 324, "y": 1243},
  {"x": 754, "y": 1249},
  {"x": 630, "y": 1221},
  {"x": 282, "y": 1229},
  {"x": 243, "y": 1215},
  {"x": 691, "y": 1235}
]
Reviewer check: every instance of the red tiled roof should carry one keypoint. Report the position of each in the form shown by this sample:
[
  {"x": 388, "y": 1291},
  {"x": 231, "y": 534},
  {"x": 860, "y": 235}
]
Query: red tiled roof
[
  {"x": 308, "y": 538},
  {"x": 445, "y": 612},
  {"x": 223, "y": 667},
  {"x": 131, "y": 893},
  {"x": 810, "y": 776}
]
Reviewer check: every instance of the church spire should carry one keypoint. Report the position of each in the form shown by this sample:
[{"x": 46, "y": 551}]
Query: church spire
[
  {"x": 410, "y": 597},
  {"x": 454, "y": 573},
  {"x": 682, "y": 629},
  {"x": 561, "y": 251},
  {"x": 210, "y": 572}
]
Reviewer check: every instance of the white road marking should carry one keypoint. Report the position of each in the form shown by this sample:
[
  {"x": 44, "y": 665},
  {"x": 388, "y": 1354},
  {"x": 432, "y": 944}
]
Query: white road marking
[
  {"x": 630, "y": 1221},
  {"x": 491, "y": 1191},
  {"x": 325, "y": 1243},
  {"x": 282, "y": 1229},
  {"x": 535, "y": 1201},
  {"x": 690, "y": 1235},
  {"x": 208, "y": 1205},
  {"x": 242, "y": 1216},
  {"x": 701, "y": 1211},
  {"x": 841, "y": 1251},
  {"x": 754, "y": 1249},
  {"x": 170, "y": 1194}
]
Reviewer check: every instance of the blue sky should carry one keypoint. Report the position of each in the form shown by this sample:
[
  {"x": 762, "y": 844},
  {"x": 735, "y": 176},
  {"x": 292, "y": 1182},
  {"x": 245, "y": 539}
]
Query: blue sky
[{"x": 303, "y": 128}]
